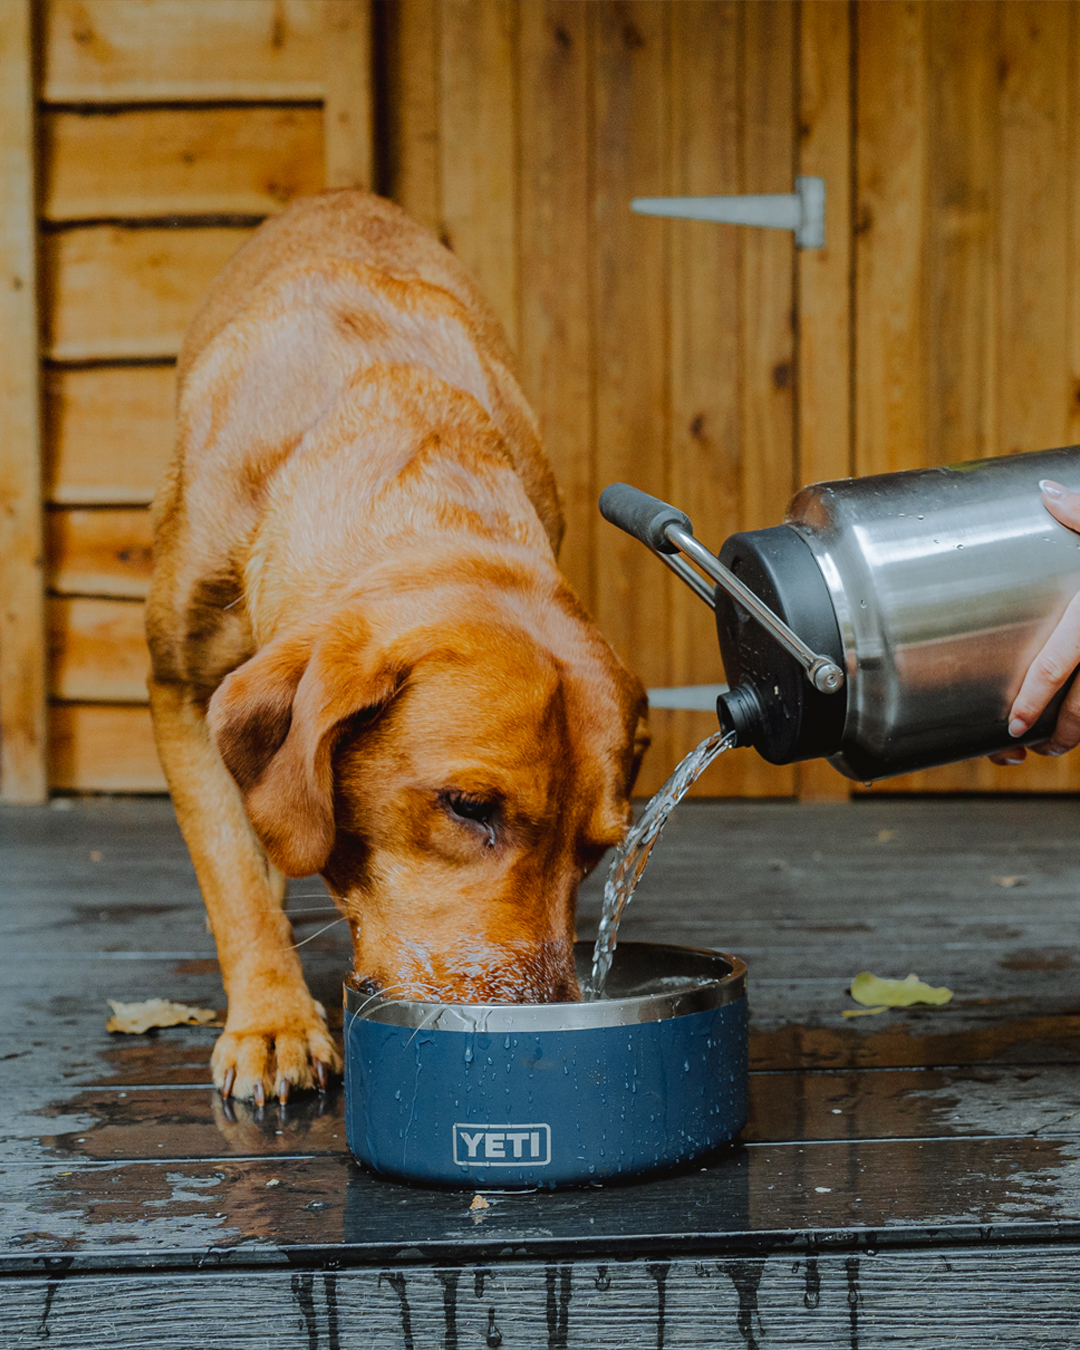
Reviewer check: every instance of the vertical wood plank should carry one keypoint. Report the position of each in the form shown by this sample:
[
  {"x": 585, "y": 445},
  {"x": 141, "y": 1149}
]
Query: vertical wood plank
[
  {"x": 890, "y": 419},
  {"x": 348, "y": 123},
  {"x": 824, "y": 283},
  {"x": 962, "y": 279},
  {"x": 1035, "y": 391},
  {"x": 410, "y": 45},
  {"x": 629, "y": 272},
  {"x": 554, "y": 242},
  {"x": 961, "y": 333},
  {"x": 768, "y": 298},
  {"x": 22, "y": 610},
  {"x": 705, "y": 432},
  {"x": 478, "y": 146}
]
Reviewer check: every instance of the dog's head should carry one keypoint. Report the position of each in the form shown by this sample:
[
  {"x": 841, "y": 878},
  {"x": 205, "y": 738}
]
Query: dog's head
[{"x": 453, "y": 779}]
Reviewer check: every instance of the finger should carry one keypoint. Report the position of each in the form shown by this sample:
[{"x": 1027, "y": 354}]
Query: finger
[
  {"x": 1062, "y": 504},
  {"x": 1048, "y": 672},
  {"x": 1016, "y": 755},
  {"x": 1066, "y": 731}
]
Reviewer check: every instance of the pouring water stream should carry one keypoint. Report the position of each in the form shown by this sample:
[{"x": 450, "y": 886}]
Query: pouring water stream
[{"x": 632, "y": 855}]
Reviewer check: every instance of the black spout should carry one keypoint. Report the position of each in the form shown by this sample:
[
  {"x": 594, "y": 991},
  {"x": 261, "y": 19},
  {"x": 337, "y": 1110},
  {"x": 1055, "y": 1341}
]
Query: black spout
[{"x": 740, "y": 711}]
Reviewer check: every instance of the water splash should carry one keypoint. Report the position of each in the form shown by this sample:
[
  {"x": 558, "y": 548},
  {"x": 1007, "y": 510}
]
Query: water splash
[{"x": 632, "y": 855}]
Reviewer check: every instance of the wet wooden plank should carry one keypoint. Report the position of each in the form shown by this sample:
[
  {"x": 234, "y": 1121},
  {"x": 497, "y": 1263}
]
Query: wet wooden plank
[
  {"x": 99, "y": 552},
  {"x": 553, "y": 226},
  {"x": 154, "y": 279},
  {"x": 917, "y": 1300},
  {"x": 22, "y": 618},
  {"x": 186, "y": 1119},
  {"x": 112, "y": 51},
  {"x": 301, "y": 1208},
  {"x": 108, "y": 433},
  {"x": 179, "y": 161}
]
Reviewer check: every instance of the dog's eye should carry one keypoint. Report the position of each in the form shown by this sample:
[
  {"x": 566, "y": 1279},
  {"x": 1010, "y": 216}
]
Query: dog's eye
[
  {"x": 471, "y": 808},
  {"x": 478, "y": 811}
]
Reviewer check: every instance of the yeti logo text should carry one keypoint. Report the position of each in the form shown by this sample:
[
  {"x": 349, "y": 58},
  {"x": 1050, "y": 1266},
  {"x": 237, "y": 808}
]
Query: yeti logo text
[{"x": 502, "y": 1145}]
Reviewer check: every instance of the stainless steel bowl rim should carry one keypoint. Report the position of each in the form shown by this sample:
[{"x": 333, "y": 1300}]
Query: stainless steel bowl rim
[{"x": 728, "y": 985}]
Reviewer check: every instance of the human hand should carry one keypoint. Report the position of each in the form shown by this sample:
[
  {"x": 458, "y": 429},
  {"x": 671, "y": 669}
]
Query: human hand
[{"x": 1055, "y": 663}]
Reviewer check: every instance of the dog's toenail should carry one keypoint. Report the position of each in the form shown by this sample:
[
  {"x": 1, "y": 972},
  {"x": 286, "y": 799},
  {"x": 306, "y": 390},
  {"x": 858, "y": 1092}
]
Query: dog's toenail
[
  {"x": 322, "y": 1075},
  {"x": 260, "y": 1095},
  {"x": 227, "y": 1086},
  {"x": 283, "y": 1090}
]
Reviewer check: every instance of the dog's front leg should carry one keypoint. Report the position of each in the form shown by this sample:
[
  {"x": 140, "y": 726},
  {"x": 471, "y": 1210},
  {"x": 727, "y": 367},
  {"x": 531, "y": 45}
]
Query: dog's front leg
[{"x": 275, "y": 1038}]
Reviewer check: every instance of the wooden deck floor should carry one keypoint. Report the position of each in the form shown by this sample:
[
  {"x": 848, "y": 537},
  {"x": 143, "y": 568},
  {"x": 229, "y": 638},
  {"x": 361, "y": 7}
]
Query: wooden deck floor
[{"x": 910, "y": 1179}]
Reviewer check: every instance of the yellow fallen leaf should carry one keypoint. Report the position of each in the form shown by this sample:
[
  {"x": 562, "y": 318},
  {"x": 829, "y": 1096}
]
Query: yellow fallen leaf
[
  {"x": 886, "y": 836},
  {"x": 478, "y": 1202},
  {"x": 1009, "y": 882},
  {"x": 134, "y": 1018},
  {"x": 863, "y": 1012},
  {"x": 871, "y": 990}
]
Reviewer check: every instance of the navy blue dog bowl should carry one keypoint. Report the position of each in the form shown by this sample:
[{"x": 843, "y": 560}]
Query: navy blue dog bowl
[{"x": 496, "y": 1095}]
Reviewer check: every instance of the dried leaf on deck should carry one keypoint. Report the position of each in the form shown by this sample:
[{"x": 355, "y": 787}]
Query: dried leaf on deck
[
  {"x": 871, "y": 990},
  {"x": 134, "y": 1018}
]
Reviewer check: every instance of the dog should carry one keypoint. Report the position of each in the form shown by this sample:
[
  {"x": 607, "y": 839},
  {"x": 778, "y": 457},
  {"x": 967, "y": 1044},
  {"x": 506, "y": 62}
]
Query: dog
[{"x": 364, "y": 660}]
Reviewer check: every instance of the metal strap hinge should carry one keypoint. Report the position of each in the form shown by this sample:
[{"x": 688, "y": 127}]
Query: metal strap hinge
[{"x": 802, "y": 210}]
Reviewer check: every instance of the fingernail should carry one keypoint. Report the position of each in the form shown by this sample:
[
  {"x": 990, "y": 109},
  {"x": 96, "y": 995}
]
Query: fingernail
[
  {"x": 1055, "y": 751},
  {"x": 1017, "y": 727},
  {"x": 1051, "y": 489}
]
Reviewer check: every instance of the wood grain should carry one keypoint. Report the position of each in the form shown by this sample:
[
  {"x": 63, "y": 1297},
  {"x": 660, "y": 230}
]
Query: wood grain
[
  {"x": 914, "y": 1299},
  {"x": 767, "y": 384},
  {"x": 348, "y": 109},
  {"x": 111, "y": 291},
  {"x": 99, "y": 552},
  {"x": 962, "y": 232},
  {"x": 108, "y": 433},
  {"x": 823, "y": 276},
  {"x": 97, "y": 650},
  {"x": 630, "y": 280},
  {"x": 553, "y": 224},
  {"x": 101, "y": 747},
  {"x": 890, "y": 237},
  {"x": 1035, "y": 391},
  {"x": 117, "y": 51},
  {"x": 478, "y": 146},
  {"x": 704, "y": 428},
  {"x": 996, "y": 334},
  {"x": 178, "y": 161},
  {"x": 22, "y": 618},
  {"x": 410, "y": 35}
]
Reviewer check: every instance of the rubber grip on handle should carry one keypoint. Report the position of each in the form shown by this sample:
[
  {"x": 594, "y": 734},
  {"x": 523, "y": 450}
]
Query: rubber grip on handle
[{"x": 645, "y": 517}]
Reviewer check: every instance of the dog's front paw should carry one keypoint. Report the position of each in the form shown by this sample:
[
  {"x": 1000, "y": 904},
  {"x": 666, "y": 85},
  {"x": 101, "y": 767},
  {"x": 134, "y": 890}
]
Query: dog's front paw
[{"x": 257, "y": 1058}]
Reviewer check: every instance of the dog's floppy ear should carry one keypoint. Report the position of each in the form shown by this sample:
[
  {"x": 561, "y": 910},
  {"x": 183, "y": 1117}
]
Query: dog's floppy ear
[{"x": 276, "y": 720}]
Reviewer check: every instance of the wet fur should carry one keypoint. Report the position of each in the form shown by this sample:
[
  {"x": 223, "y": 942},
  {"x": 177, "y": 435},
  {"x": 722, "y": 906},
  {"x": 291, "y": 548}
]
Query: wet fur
[{"x": 358, "y": 631}]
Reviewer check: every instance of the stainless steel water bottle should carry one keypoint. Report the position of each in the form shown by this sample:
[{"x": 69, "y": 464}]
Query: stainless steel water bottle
[{"x": 888, "y": 623}]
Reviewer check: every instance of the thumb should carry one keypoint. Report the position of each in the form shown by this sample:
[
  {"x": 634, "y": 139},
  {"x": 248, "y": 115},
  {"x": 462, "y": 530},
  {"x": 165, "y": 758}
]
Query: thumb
[{"x": 1062, "y": 504}]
